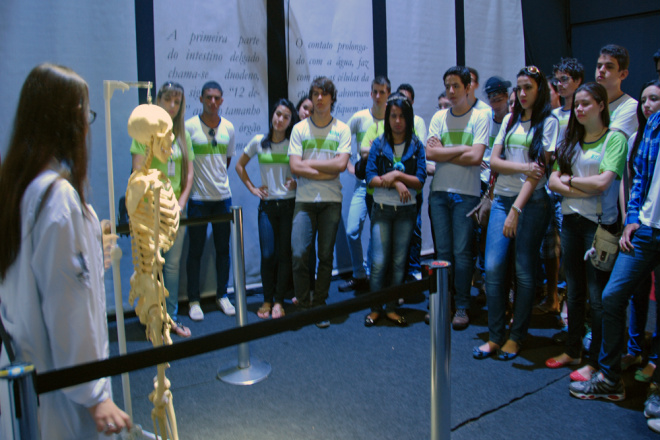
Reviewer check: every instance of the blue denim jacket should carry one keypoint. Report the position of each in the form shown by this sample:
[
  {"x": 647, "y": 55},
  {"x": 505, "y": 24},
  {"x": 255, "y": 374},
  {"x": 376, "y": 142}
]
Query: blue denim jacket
[{"x": 381, "y": 159}]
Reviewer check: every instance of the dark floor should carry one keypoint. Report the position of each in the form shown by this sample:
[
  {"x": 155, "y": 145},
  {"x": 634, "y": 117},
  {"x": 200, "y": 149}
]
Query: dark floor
[{"x": 352, "y": 382}]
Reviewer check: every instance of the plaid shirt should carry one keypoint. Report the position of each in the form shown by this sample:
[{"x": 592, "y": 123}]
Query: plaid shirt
[{"x": 644, "y": 165}]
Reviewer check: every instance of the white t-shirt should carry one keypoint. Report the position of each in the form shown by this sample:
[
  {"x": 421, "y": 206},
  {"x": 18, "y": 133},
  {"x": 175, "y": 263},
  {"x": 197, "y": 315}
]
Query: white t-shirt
[
  {"x": 274, "y": 166},
  {"x": 563, "y": 116},
  {"x": 211, "y": 182},
  {"x": 390, "y": 196},
  {"x": 359, "y": 123},
  {"x": 519, "y": 140},
  {"x": 420, "y": 128},
  {"x": 606, "y": 154},
  {"x": 320, "y": 143},
  {"x": 494, "y": 131},
  {"x": 623, "y": 115},
  {"x": 468, "y": 129}
]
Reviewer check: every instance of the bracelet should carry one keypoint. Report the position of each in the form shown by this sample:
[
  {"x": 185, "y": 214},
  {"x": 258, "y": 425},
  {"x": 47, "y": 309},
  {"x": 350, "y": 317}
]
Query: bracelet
[{"x": 515, "y": 208}]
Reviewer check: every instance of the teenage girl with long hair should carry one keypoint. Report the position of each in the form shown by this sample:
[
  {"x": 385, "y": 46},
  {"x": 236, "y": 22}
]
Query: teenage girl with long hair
[
  {"x": 520, "y": 210},
  {"x": 396, "y": 169},
  {"x": 590, "y": 163},
  {"x": 51, "y": 260},
  {"x": 179, "y": 169},
  {"x": 277, "y": 195}
]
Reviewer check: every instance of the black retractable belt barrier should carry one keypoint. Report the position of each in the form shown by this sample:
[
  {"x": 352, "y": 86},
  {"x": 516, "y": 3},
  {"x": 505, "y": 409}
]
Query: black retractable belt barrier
[
  {"x": 66, "y": 377},
  {"x": 123, "y": 228}
]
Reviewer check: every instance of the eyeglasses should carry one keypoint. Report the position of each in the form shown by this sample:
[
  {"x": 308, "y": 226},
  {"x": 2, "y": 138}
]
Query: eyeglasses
[
  {"x": 563, "y": 79},
  {"x": 214, "y": 143},
  {"x": 91, "y": 117},
  {"x": 532, "y": 69}
]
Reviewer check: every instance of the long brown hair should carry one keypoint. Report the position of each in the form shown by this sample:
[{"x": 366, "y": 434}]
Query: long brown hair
[
  {"x": 575, "y": 131},
  {"x": 51, "y": 124},
  {"x": 179, "y": 126}
]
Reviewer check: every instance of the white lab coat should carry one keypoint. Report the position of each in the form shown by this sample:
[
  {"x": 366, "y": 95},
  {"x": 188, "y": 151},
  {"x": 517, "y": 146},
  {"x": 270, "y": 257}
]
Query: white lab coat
[{"x": 52, "y": 303}]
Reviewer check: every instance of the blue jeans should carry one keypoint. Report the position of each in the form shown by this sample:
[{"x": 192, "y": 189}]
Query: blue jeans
[
  {"x": 415, "y": 256},
  {"x": 310, "y": 220},
  {"x": 583, "y": 281},
  {"x": 197, "y": 240},
  {"x": 639, "y": 309},
  {"x": 453, "y": 235},
  {"x": 391, "y": 231},
  {"x": 532, "y": 224},
  {"x": 171, "y": 271},
  {"x": 275, "y": 221},
  {"x": 357, "y": 214},
  {"x": 629, "y": 270}
]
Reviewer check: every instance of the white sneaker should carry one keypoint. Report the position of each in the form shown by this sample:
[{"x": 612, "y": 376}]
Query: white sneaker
[
  {"x": 195, "y": 312},
  {"x": 654, "y": 425},
  {"x": 226, "y": 306}
]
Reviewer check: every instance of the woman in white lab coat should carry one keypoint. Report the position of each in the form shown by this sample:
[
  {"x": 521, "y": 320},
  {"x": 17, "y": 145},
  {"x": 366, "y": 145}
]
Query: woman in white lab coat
[{"x": 52, "y": 297}]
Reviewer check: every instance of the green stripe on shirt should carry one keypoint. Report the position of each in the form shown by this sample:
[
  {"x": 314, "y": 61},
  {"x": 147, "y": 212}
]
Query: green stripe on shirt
[
  {"x": 320, "y": 144},
  {"x": 207, "y": 149},
  {"x": 461, "y": 137},
  {"x": 266, "y": 158}
]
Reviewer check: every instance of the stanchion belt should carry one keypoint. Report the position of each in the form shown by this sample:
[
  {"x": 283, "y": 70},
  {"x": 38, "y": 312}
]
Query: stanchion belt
[
  {"x": 66, "y": 377},
  {"x": 123, "y": 228}
]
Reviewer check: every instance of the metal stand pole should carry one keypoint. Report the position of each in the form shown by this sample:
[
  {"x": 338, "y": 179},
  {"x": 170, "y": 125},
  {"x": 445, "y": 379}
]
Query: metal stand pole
[
  {"x": 19, "y": 379},
  {"x": 440, "y": 318},
  {"x": 248, "y": 371}
]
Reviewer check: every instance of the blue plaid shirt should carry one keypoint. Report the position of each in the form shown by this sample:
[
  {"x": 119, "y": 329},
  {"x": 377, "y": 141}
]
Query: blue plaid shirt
[{"x": 644, "y": 165}]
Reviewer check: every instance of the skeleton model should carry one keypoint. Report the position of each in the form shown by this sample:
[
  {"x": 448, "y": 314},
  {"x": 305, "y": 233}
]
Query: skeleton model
[{"x": 154, "y": 220}]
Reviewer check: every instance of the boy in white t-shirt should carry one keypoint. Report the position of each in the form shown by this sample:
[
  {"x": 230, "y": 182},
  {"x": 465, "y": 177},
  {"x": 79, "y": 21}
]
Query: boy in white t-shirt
[
  {"x": 359, "y": 209},
  {"x": 214, "y": 144},
  {"x": 457, "y": 141},
  {"x": 611, "y": 69},
  {"x": 319, "y": 150}
]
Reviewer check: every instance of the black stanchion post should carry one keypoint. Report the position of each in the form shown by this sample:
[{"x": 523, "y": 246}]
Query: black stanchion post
[
  {"x": 248, "y": 371},
  {"x": 19, "y": 379},
  {"x": 440, "y": 318}
]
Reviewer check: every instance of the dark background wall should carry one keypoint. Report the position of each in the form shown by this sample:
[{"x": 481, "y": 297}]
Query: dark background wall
[{"x": 579, "y": 28}]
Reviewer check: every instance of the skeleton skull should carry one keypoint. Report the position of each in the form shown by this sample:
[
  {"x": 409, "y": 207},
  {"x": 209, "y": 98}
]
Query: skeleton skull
[{"x": 151, "y": 125}]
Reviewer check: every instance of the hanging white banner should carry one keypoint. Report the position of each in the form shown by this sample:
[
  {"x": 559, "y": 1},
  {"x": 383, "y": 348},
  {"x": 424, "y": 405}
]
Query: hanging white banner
[
  {"x": 333, "y": 39},
  {"x": 224, "y": 43}
]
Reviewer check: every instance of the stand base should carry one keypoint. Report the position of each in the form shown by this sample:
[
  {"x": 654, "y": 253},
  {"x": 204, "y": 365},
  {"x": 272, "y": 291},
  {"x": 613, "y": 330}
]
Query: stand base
[{"x": 234, "y": 375}]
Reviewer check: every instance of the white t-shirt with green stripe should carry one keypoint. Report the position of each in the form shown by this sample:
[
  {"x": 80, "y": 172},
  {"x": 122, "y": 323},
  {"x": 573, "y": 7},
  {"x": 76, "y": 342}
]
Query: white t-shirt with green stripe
[
  {"x": 606, "y": 154},
  {"x": 211, "y": 182},
  {"x": 517, "y": 150},
  {"x": 468, "y": 129},
  {"x": 623, "y": 115},
  {"x": 359, "y": 123},
  {"x": 563, "y": 116},
  {"x": 319, "y": 143},
  {"x": 274, "y": 166}
]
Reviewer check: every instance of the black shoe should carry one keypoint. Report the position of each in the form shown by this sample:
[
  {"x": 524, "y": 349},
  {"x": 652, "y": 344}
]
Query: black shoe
[
  {"x": 369, "y": 322},
  {"x": 354, "y": 284}
]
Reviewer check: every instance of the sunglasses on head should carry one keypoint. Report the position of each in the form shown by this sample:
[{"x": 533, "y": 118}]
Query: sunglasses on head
[{"x": 532, "y": 69}]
